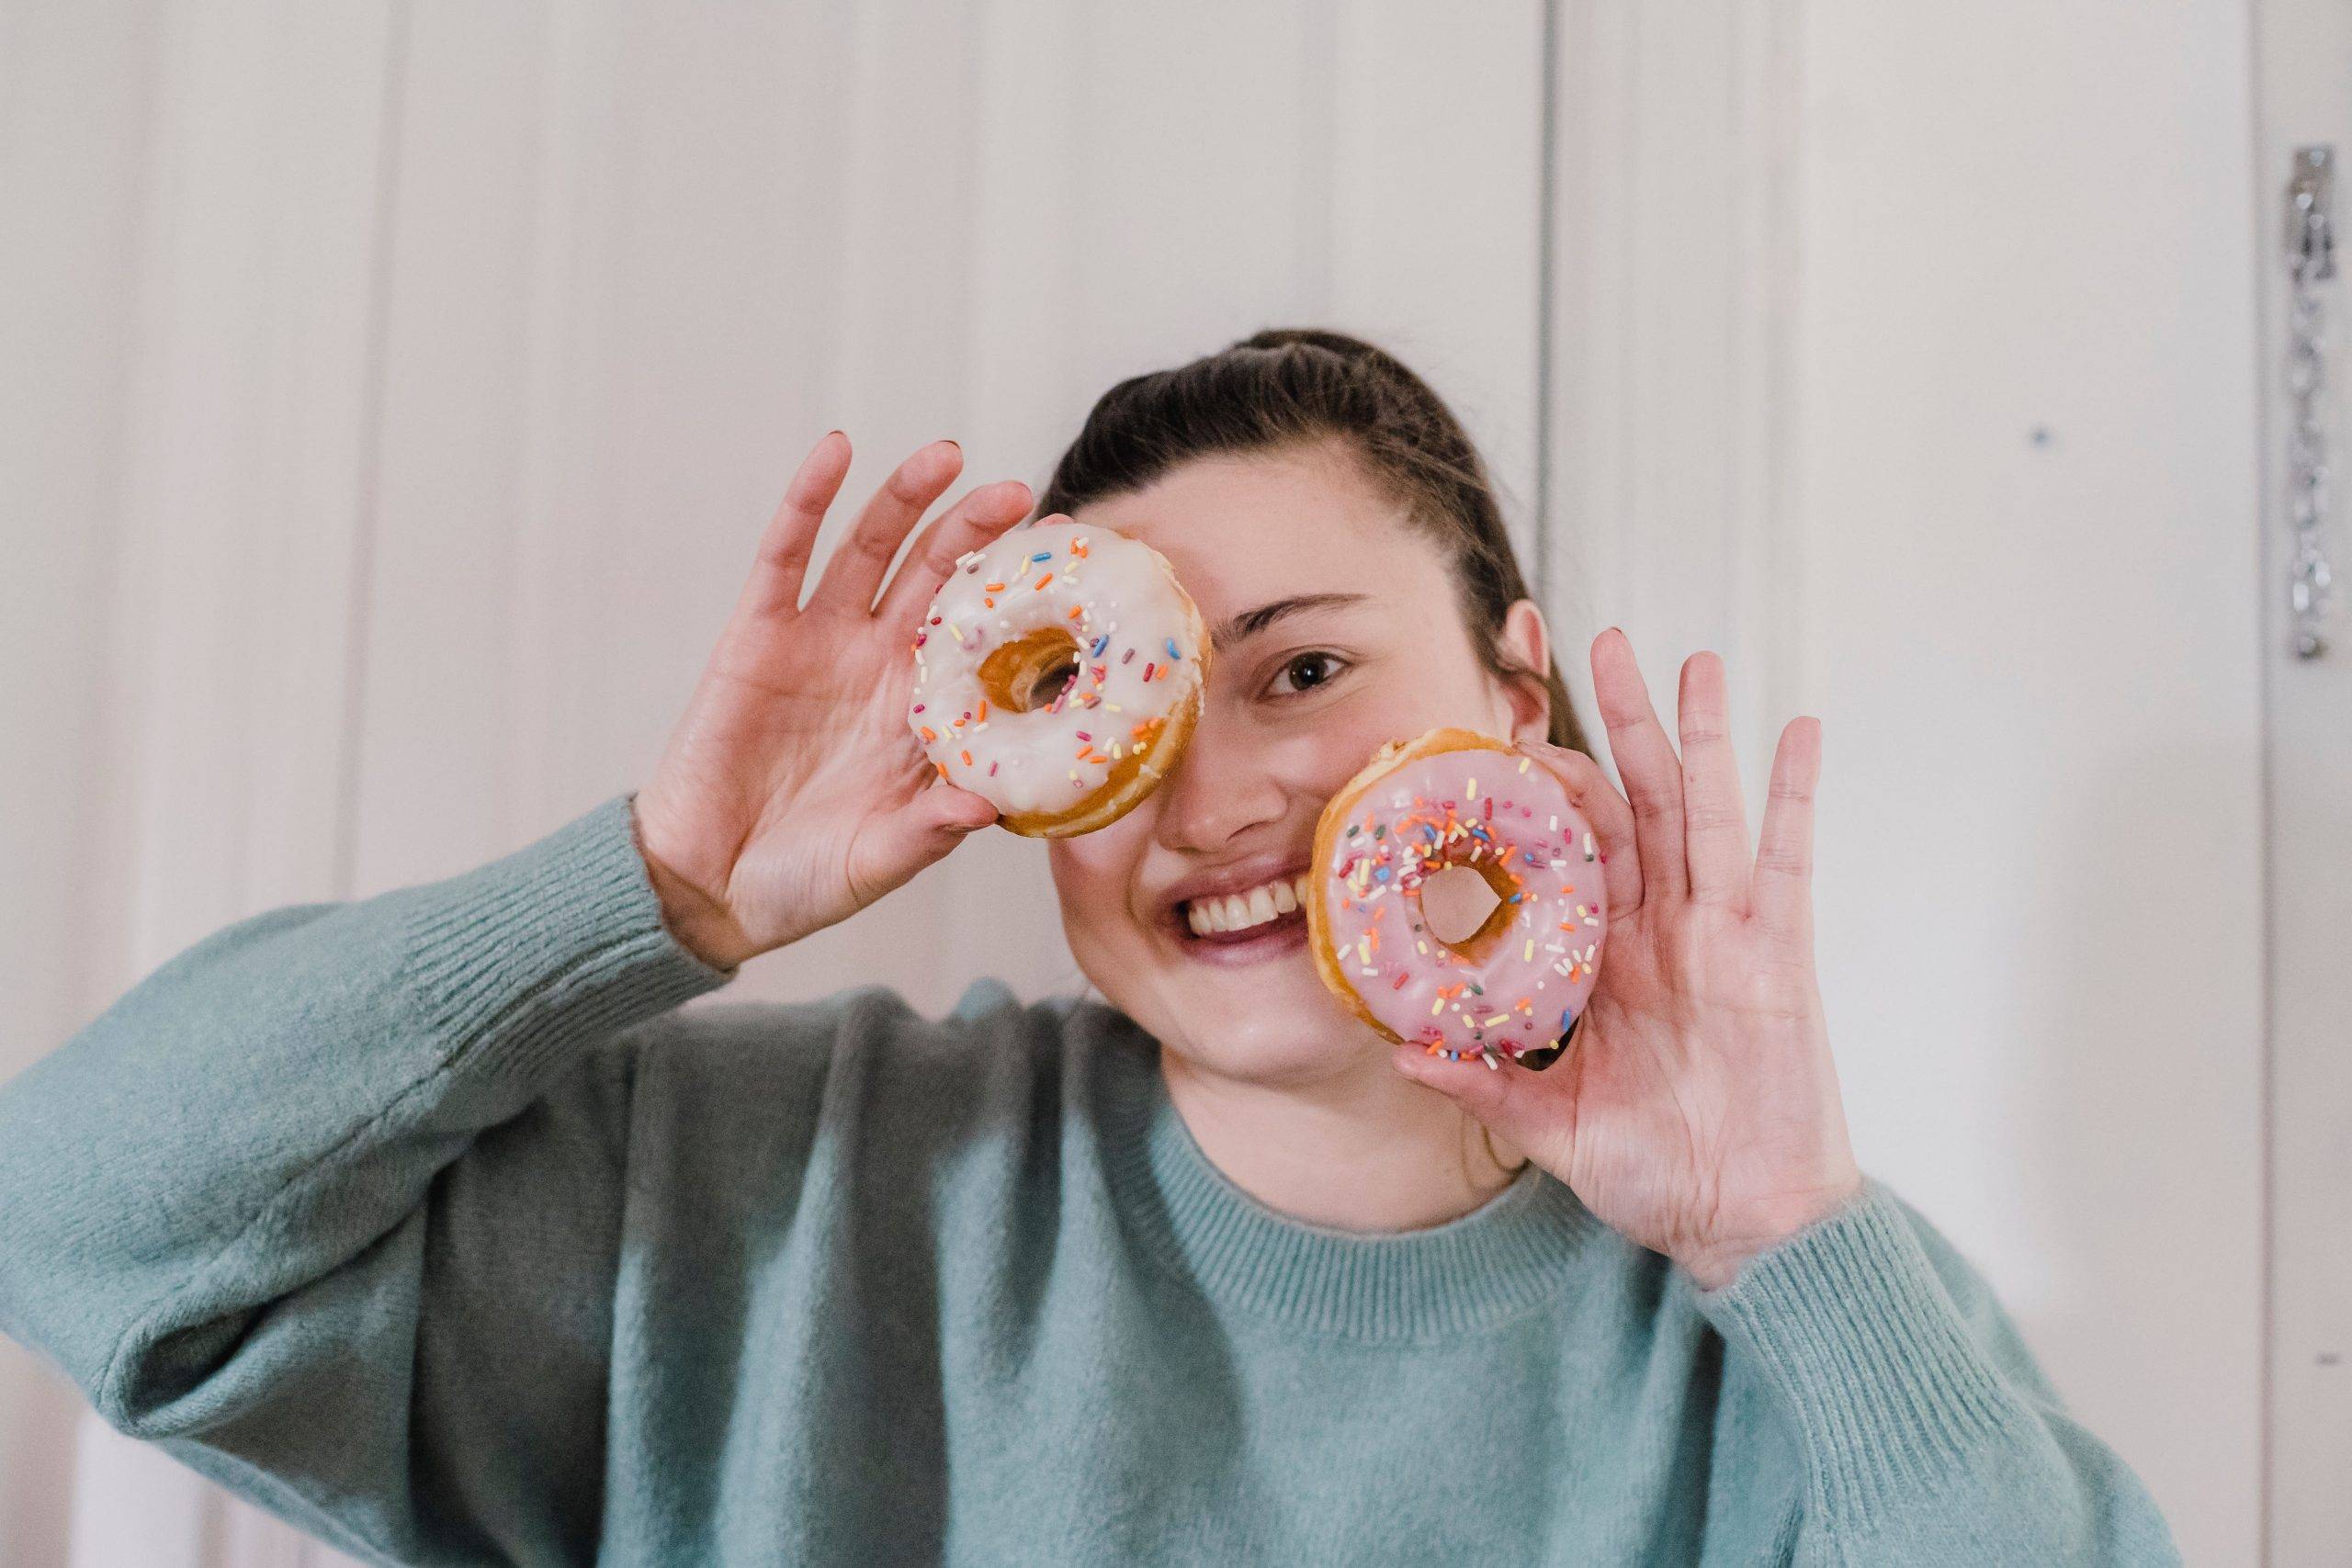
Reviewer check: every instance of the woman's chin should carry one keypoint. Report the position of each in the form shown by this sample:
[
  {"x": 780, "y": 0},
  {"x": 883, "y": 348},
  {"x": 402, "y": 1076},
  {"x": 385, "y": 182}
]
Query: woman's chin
[
  {"x": 1271, "y": 1013},
  {"x": 1245, "y": 1003}
]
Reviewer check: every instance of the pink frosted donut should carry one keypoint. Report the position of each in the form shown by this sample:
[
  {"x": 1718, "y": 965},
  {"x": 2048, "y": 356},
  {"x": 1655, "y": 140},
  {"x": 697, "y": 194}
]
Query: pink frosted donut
[{"x": 1454, "y": 798}]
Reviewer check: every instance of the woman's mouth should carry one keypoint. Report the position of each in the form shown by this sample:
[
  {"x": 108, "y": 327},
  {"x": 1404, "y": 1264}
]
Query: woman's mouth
[
  {"x": 1234, "y": 914},
  {"x": 1250, "y": 927}
]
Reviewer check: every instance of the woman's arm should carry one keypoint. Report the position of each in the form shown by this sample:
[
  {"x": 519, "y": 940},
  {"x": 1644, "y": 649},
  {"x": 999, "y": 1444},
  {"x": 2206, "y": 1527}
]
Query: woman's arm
[
  {"x": 1696, "y": 1111},
  {"x": 1873, "y": 1375},
  {"x": 328, "y": 1204}
]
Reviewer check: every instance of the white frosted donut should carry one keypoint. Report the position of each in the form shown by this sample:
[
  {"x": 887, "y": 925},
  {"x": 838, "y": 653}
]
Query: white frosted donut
[{"x": 1057, "y": 673}]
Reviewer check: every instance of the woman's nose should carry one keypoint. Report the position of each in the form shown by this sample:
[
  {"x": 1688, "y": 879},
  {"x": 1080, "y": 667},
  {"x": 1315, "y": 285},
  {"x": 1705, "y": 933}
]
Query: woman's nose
[{"x": 1221, "y": 788}]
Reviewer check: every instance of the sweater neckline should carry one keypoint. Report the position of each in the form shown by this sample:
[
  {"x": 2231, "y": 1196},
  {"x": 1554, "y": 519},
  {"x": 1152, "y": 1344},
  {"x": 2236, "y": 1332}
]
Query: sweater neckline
[{"x": 1507, "y": 1257}]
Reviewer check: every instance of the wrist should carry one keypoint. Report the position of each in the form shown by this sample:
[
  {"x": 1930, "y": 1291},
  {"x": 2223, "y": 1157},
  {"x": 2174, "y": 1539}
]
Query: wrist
[
  {"x": 699, "y": 923},
  {"x": 1713, "y": 1266}
]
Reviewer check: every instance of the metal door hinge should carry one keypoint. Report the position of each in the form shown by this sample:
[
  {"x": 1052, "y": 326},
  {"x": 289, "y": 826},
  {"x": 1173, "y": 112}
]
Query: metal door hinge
[{"x": 2311, "y": 261}]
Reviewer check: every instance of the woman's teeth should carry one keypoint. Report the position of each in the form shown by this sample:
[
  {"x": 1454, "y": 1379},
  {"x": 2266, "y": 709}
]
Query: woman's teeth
[{"x": 1239, "y": 911}]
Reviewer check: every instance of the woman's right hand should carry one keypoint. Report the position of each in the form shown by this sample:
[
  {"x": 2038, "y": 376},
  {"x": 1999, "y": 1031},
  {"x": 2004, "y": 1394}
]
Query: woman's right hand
[{"x": 792, "y": 793}]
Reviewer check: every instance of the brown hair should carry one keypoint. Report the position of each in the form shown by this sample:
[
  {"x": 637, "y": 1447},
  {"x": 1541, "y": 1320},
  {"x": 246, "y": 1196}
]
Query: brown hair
[{"x": 1292, "y": 386}]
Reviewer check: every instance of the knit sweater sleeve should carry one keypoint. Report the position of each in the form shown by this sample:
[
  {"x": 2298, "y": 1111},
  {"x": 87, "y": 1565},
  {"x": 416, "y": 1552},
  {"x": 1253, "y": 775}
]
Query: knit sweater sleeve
[
  {"x": 1903, "y": 1405},
  {"x": 329, "y": 1205}
]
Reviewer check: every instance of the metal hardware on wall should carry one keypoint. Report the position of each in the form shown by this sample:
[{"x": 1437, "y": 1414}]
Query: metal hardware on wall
[{"x": 2311, "y": 261}]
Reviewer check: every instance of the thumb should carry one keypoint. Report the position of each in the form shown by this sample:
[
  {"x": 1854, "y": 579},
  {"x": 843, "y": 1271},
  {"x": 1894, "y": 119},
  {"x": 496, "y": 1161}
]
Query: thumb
[
  {"x": 903, "y": 841},
  {"x": 1514, "y": 1103}
]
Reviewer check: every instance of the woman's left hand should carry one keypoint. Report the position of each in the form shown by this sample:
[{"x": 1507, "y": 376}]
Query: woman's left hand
[{"x": 1696, "y": 1109}]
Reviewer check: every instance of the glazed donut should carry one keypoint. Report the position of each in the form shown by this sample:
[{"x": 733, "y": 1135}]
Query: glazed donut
[
  {"x": 1059, "y": 673},
  {"x": 1455, "y": 797}
]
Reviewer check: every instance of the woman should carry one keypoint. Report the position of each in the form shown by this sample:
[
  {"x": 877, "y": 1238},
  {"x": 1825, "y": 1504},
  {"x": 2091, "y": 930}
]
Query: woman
[{"x": 427, "y": 1220}]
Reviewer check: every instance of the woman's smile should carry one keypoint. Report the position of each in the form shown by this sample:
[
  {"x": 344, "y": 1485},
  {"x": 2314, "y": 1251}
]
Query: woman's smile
[
  {"x": 1246, "y": 912},
  {"x": 1331, "y": 625},
  {"x": 1262, "y": 932},
  {"x": 1278, "y": 938}
]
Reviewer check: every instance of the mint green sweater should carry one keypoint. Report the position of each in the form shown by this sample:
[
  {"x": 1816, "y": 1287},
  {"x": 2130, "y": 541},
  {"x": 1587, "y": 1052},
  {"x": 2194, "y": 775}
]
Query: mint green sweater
[{"x": 431, "y": 1223}]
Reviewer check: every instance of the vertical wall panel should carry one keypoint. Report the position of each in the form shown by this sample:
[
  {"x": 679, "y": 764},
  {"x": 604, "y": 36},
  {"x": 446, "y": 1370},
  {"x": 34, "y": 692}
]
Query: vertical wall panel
[
  {"x": 1903, "y": 358},
  {"x": 75, "y": 98},
  {"x": 2304, "y": 81},
  {"x": 1436, "y": 174},
  {"x": 477, "y": 418},
  {"x": 228, "y": 512},
  {"x": 640, "y": 267},
  {"x": 2026, "y": 503},
  {"x": 1672, "y": 288}
]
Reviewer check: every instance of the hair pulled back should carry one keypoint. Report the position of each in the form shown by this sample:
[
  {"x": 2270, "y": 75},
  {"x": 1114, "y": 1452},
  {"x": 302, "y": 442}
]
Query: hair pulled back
[{"x": 1288, "y": 388}]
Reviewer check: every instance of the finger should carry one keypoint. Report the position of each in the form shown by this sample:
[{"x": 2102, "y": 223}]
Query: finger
[
  {"x": 1781, "y": 896},
  {"x": 855, "y": 570},
  {"x": 1715, "y": 820},
  {"x": 774, "y": 588},
  {"x": 972, "y": 521},
  {"x": 1590, "y": 792},
  {"x": 891, "y": 848},
  {"x": 1646, "y": 763}
]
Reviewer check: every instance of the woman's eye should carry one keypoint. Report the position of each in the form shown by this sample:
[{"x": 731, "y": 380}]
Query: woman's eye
[{"x": 1308, "y": 670}]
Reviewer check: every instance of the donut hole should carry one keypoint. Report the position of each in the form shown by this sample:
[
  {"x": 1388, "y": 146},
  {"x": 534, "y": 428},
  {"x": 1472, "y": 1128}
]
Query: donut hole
[
  {"x": 1031, "y": 671},
  {"x": 1462, "y": 906}
]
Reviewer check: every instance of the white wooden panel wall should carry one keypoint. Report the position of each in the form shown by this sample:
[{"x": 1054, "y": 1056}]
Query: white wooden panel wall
[
  {"x": 642, "y": 260},
  {"x": 2021, "y": 218},
  {"x": 438, "y": 364},
  {"x": 69, "y": 221},
  {"x": 244, "y": 463},
  {"x": 224, "y": 521},
  {"x": 1993, "y": 519},
  {"x": 475, "y": 346},
  {"x": 2304, "y": 66},
  {"x": 1673, "y": 286}
]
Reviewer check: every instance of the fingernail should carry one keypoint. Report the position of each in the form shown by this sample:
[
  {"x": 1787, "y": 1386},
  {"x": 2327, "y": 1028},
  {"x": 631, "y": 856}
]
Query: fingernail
[
  {"x": 953, "y": 442},
  {"x": 833, "y": 433}
]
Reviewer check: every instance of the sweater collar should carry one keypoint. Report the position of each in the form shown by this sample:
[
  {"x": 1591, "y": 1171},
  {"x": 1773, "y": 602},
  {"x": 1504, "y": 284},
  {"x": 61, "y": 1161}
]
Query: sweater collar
[{"x": 1505, "y": 1257}]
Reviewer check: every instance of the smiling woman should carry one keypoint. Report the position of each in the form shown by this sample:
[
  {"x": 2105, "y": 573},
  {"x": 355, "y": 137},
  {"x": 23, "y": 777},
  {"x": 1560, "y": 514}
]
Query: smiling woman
[
  {"x": 1337, "y": 527},
  {"x": 432, "y": 1221}
]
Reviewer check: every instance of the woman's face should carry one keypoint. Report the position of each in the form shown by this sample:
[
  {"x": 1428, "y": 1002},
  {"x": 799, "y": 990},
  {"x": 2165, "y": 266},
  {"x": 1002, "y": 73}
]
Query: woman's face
[{"x": 1334, "y": 630}]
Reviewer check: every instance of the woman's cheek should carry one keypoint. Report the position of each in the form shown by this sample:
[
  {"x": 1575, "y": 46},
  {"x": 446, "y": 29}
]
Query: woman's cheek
[
  {"x": 1349, "y": 732},
  {"x": 1095, "y": 872},
  {"x": 1339, "y": 752}
]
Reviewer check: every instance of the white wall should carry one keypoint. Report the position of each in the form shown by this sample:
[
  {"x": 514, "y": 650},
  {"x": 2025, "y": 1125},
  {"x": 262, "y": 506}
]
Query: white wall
[
  {"x": 414, "y": 382},
  {"x": 458, "y": 353},
  {"x": 1907, "y": 358},
  {"x": 2045, "y": 652},
  {"x": 69, "y": 220},
  {"x": 2304, "y": 66},
  {"x": 643, "y": 260}
]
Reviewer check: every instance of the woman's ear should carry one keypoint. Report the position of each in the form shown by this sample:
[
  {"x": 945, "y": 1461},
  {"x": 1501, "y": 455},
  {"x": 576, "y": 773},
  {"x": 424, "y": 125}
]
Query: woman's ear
[{"x": 1526, "y": 645}]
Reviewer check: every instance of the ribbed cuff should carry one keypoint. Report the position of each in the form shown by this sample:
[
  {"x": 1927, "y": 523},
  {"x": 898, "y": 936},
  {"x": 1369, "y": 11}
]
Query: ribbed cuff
[
  {"x": 525, "y": 959},
  {"x": 1848, "y": 1324}
]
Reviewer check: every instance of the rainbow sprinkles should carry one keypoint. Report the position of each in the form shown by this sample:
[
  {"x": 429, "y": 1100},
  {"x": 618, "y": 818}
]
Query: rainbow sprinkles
[
  {"x": 1027, "y": 690},
  {"x": 1516, "y": 985}
]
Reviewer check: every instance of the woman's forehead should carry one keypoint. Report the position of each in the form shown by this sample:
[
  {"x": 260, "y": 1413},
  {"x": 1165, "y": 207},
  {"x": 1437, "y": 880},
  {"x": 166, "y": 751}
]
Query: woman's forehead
[{"x": 1243, "y": 531}]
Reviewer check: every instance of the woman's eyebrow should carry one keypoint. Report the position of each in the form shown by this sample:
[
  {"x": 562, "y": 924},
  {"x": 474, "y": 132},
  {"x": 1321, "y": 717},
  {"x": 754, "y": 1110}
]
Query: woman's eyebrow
[{"x": 1249, "y": 622}]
